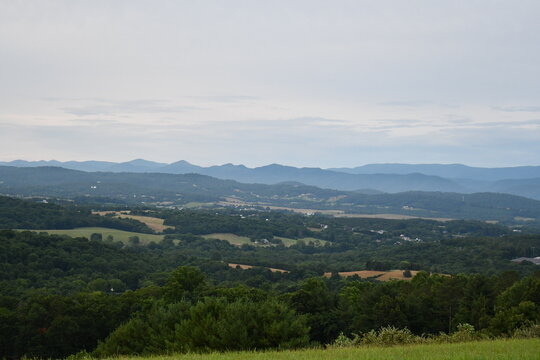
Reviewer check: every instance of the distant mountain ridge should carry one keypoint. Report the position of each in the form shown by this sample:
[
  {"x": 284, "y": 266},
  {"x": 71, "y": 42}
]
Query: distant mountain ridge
[
  {"x": 451, "y": 171},
  {"x": 178, "y": 189},
  {"x": 521, "y": 180}
]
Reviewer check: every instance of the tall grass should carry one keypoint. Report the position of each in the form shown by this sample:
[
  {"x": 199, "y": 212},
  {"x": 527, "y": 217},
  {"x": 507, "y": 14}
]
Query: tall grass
[{"x": 503, "y": 349}]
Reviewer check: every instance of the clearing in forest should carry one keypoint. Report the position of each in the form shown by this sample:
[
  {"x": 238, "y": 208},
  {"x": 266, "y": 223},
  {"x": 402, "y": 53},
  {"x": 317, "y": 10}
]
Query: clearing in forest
[
  {"x": 238, "y": 240},
  {"x": 246, "y": 267},
  {"x": 117, "y": 235},
  {"x": 377, "y": 275},
  {"x": 153, "y": 223}
]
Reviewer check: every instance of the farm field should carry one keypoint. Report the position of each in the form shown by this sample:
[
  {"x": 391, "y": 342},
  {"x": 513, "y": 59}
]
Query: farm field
[
  {"x": 515, "y": 349},
  {"x": 231, "y": 238},
  {"x": 153, "y": 223},
  {"x": 241, "y": 240},
  {"x": 246, "y": 267},
  {"x": 118, "y": 235},
  {"x": 377, "y": 275}
]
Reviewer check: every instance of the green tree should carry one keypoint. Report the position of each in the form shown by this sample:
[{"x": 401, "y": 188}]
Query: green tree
[{"x": 185, "y": 282}]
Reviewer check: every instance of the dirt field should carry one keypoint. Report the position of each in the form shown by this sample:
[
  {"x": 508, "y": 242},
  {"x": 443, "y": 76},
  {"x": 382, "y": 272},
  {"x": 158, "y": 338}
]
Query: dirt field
[
  {"x": 245, "y": 267},
  {"x": 378, "y": 275}
]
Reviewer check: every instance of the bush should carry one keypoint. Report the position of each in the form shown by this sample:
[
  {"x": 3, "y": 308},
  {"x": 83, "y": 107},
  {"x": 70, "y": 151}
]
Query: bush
[
  {"x": 527, "y": 332},
  {"x": 343, "y": 341},
  {"x": 216, "y": 324},
  {"x": 464, "y": 332},
  {"x": 385, "y": 336},
  {"x": 390, "y": 335}
]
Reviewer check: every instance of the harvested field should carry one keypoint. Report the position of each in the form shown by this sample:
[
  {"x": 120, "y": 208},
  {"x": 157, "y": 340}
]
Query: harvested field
[
  {"x": 153, "y": 223},
  {"x": 246, "y": 267},
  {"x": 377, "y": 275}
]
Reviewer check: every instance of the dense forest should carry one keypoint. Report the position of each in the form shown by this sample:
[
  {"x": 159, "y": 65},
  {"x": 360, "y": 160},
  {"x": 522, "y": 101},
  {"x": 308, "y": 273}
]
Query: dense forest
[
  {"x": 60, "y": 295},
  {"x": 21, "y": 214}
]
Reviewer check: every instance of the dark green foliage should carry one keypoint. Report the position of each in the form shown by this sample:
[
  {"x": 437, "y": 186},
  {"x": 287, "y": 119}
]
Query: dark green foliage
[
  {"x": 60, "y": 295},
  {"x": 216, "y": 324},
  {"x": 21, "y": 214},
  {"x": 210, "y": 325},
  {"x": 184, "y": 283}
]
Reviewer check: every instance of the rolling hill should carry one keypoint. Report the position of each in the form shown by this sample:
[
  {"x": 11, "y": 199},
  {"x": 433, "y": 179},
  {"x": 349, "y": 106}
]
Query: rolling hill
[
  {"x": 393, "y": 178},
  {"x": 177, "y": 190}
]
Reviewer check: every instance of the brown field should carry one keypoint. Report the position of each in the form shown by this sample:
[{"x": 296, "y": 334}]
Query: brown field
[
  {"x": 245, "y": 267},
  {"x": 378, "y": 275},
  {"x": 153, "y": 223},
  {"x": 235, "y": 202},
  {"x": 335, "y": 213}
]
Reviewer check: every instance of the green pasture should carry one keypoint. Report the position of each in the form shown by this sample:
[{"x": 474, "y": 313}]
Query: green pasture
[
  {"x": 241, "y": 240},
  {"x": 118, "y": 235}
]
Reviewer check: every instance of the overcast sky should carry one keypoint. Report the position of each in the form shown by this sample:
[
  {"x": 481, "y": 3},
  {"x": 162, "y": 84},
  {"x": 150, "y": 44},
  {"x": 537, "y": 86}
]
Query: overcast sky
[{"x": 304, "y": 83}]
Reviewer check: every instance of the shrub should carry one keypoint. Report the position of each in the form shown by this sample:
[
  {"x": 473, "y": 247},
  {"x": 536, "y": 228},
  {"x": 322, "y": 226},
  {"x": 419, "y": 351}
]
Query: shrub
[
  {"x": 527, "y": 332},
  {"x": 390, "y": 335}
]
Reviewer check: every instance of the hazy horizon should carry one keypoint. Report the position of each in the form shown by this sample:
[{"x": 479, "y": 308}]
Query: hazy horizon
[
  {"x": 300, "y": 83},
  {"x": 261, "y": 165}
]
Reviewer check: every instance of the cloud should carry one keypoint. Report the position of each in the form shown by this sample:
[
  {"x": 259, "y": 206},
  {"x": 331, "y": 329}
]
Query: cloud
[
  {"x": 111, "y": 107},
  {"x": 224, "y": 98},
  {"x": 532, "y": 108},
  {"x": 411, "y": 103}
]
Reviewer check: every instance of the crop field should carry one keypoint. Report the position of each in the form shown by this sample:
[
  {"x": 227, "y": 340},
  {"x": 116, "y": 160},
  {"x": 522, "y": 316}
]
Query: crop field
[
  {"x": 231, "y": 238},
  {"x": 241, "y": 240},
  {"x": 153, "y": 223},
  {"x": 246, "y": 267},
  {"x": 377, "y": 275},
  {"x": 118, "y": 235},
  {"x": 483, "y": 350}
]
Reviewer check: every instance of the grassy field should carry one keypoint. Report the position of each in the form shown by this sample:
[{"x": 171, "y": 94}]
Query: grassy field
[
  {"x": 483, "y": 350},
  {"x": 118, "y": 235},
  {"x": 241, "y": 240},
  {"x": 231, "y": 238}
]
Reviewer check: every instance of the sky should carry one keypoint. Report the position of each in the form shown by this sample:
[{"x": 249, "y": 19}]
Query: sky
[{"x": 302, "y": 83}]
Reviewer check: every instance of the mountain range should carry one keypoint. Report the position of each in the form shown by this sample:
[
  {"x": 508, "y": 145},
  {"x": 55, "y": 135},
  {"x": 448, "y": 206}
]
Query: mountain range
[
  {"x": 372, "y": 178},
  {"x": 179, "y": 190}
]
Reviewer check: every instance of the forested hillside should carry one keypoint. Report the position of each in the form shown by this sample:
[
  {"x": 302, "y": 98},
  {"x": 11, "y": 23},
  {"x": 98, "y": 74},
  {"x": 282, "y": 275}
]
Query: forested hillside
[
  {"x": 24, "y": 214},
  {"x": 60, "y": 295},
  {"x": 179, "y": 190},
  {"x": 136, "y": 300}
]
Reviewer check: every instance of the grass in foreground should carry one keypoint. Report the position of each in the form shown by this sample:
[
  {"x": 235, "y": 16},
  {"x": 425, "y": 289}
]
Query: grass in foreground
[
  {"x": 488, "y": 350},
  {"x": 118, "y": 235}
]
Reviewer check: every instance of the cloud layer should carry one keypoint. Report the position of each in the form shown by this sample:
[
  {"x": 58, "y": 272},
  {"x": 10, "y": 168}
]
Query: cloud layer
[{"x": 309, "y": 83}]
